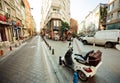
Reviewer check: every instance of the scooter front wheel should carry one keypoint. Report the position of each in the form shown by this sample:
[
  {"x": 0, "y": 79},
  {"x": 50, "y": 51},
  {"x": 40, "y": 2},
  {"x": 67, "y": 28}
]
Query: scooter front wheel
[{"x": 82, "y": 76}]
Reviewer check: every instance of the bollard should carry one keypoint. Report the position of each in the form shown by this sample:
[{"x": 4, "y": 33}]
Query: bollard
[
  {"x": 53, "y": 51},
  {"x": 19, "y": 42},
  {"x": 1, "y": 52},
  {"x": 60, "y": 61},
  {"x": 15, "y": 45},
  {"x": 10, "y": 48},
  {"x": 75, "y": 77},
  {"x": 94, "y": 44},
  {"x": 49, "y": 47}
]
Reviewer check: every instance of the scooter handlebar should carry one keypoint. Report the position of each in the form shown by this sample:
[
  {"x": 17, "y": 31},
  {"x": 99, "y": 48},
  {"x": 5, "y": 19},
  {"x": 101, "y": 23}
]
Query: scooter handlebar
[{"x": 77, "y": 54}]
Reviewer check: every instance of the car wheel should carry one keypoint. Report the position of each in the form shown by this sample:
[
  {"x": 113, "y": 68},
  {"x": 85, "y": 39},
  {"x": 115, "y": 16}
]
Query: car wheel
[
  {"x": 109, "y": 45},
  {"x": 84, "y": 42},
  {"x": 82, "y": 76}
]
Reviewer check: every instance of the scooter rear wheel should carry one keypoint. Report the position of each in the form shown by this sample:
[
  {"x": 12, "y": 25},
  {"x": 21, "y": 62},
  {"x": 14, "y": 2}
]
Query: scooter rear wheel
[{"x": 82, "y": 76}]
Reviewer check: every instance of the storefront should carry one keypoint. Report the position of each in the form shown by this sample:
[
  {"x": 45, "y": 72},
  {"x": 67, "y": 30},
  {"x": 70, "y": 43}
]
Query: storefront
[{"x": 5, "y": 31}]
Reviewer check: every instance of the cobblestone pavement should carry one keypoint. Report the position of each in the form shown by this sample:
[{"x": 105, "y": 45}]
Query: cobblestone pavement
[{"x": 26, "y": 65}]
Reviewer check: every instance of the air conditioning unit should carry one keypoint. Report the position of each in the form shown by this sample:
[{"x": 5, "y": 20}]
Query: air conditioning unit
[{"x": 7, "y": 15}]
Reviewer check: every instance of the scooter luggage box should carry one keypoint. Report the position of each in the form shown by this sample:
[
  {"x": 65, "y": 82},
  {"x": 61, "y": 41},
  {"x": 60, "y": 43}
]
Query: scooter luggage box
[{"x": 95, "y": 58}]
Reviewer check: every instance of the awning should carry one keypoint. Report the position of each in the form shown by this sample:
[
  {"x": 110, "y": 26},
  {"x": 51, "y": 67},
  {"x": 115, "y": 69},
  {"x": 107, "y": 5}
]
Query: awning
[{"x": 5, "y": 23}]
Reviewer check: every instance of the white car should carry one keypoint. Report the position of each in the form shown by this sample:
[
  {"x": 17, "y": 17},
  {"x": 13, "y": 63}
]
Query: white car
[{"x": 109, "y": 38}]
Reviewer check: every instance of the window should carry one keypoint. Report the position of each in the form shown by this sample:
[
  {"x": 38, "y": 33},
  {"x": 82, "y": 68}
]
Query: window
[
  {"x": 55, "y": 10},
  {"x": 118, "y": 14},
  {"x": 17, "y": 0},
  {"x": 111, "y": 6},
  {"x": 56, "y": 23},
  {"x": 8, "y": 10},
  {"x": 108, "y": 18},
  {"x": 111, "y": 15},
  {"x": 0, "y": 5}
]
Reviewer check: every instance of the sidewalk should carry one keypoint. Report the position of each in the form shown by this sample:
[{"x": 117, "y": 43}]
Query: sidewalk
[{"x": 6, "y": 50}]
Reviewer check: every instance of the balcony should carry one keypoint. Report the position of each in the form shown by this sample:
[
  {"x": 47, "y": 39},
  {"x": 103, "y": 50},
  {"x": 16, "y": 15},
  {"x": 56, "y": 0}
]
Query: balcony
[
  {"x": 55, "y": 15},
  {"x": 56, "y": 4}
]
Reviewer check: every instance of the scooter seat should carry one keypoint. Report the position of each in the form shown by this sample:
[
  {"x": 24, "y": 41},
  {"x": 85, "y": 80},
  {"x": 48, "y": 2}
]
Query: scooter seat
[
  {"x": 79, "y": 56},
  {"x": 86, "y": 56},
  {"x": 80, "y": 60}
]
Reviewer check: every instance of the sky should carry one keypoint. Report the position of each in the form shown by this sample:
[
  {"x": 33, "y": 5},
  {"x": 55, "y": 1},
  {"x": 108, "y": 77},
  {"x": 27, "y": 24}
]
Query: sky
[
  {"x": 81, "y": 8},
  {"x": 36, "y": 11},
  {"x": 78, "y": 9}
]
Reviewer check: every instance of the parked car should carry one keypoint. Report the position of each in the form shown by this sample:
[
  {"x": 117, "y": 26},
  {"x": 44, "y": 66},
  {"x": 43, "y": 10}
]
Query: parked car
[{"x": 108, "y": 38}]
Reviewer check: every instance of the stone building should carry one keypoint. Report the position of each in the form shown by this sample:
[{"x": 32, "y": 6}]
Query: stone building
[
  {"x": 53, "y": 12},
  {"x": 13, "y": 20},
  {"x": 29, "y": 21},
  {"x": 7, "y": 15},
  {"x": 95, "y": 20},
  {"x": 113, "y": 14}
]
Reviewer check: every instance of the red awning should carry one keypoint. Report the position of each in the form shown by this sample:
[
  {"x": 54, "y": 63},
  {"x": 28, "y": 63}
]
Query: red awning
[
  {"x": 2, "y": 18},
  {"x": 5, "y": 23}
]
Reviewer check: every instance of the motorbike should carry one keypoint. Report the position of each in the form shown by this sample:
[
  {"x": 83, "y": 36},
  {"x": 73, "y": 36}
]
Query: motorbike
[{"x": 85, "y": 65}]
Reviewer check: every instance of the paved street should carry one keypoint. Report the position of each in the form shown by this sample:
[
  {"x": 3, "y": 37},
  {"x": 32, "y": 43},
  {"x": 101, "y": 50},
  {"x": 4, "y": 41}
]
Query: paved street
[
  {"x": 27, "y": 65},
  {"x": 109, "y": 71},
  {"x": 35, "y": 63}
]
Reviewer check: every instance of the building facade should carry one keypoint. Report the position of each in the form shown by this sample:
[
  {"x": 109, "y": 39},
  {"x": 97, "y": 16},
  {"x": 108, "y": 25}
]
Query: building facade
[
  {"x": 113, "y": 14},
  {"x": 73, "y": 26},
  {"x": 95, "y": 20},
  {"x": 13, "y": 20},
  {"x": 6, "y": 11},
  {"x": 53, "y": 12}
]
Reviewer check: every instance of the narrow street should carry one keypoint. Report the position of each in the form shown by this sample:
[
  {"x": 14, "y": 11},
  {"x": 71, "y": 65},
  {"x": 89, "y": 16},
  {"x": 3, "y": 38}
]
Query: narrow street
[
  {"x": 34, "y": 62},
  {"x": 27, "y": 65}
]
